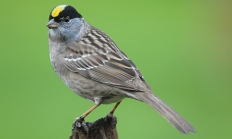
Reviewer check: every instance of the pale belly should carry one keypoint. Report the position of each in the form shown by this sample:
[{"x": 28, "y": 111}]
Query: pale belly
[{"x": 93, "y": 90}]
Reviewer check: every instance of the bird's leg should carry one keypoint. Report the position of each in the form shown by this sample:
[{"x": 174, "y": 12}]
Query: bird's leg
[
  {"x": 80, "y": 120},
  {"x": 89, "y": 111},
  {"x": 114, "y": 108}
]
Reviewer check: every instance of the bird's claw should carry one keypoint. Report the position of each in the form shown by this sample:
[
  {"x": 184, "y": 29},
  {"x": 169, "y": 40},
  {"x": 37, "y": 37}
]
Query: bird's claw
[
  {"x": 80, "y": 122},
  {"x": 110, "y": 114}
]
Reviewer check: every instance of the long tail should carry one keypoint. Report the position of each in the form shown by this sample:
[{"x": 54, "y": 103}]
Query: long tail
[{"x": 168, "y": 113}]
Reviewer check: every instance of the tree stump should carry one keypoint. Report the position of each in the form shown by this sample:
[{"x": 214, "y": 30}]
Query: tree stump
[{"x": 103, "y": 128}]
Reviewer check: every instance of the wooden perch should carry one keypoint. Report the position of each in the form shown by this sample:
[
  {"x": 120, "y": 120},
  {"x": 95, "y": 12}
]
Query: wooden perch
[{"x": 103, "y": 128}]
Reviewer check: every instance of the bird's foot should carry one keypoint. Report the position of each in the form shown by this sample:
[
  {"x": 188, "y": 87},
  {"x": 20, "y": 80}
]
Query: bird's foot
[
  {"x": 110, "y": 114},
  {"x": 80, "y": 122}
]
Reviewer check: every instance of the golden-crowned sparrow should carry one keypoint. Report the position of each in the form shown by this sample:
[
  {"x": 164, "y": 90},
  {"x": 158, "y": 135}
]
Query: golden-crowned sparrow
[{"x": 90, "y": 64}]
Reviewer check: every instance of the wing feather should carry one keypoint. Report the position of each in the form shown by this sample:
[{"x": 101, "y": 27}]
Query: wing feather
[{"x": 98, "y": 58}]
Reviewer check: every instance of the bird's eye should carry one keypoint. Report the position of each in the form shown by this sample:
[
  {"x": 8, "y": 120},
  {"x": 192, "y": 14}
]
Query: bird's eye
[{"x": 66, "y": 19}]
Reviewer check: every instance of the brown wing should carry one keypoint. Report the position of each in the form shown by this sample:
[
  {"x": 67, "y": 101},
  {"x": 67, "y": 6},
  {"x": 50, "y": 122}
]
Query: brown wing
[{"x": 98, "y": 58}]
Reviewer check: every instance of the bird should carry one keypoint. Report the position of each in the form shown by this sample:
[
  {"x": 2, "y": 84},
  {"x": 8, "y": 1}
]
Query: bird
[{"x": 91, "y": 64}]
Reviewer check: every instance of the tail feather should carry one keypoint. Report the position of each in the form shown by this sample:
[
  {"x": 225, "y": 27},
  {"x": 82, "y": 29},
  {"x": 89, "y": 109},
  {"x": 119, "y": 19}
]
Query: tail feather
[{"x": 168, "y": 113}]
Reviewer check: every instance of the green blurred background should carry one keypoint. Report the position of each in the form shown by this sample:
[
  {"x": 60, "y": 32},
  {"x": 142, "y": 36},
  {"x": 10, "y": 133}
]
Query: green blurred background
[{"x": 183, "y": 48}]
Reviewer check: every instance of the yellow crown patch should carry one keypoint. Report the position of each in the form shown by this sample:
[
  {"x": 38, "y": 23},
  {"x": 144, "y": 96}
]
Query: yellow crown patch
[{"x": 56, "y": 11}]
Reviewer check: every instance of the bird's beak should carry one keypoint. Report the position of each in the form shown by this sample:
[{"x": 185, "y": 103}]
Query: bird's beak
[{"x": 52, "y": 24}]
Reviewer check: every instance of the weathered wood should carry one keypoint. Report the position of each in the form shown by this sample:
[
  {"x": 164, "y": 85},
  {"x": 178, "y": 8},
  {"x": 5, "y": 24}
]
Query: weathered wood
[{"x": 103, "y": 128}]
